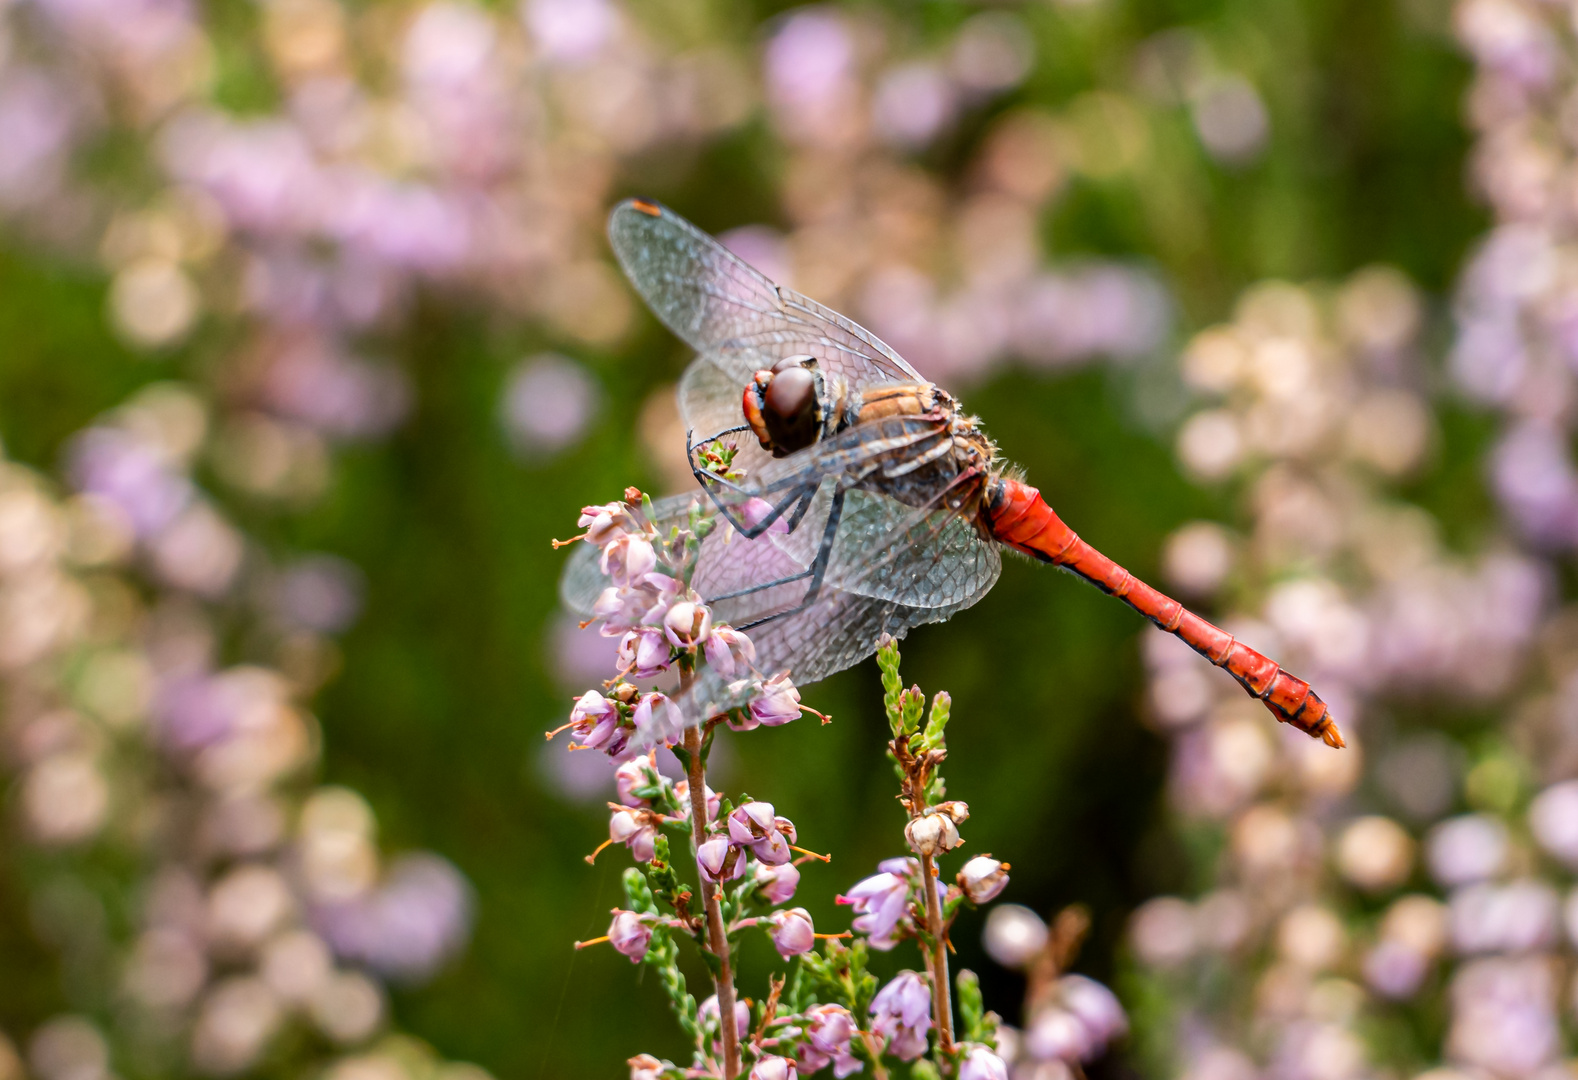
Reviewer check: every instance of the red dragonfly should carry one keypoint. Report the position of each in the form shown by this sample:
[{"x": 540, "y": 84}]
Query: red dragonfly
[{"x": 870, "y": 503}]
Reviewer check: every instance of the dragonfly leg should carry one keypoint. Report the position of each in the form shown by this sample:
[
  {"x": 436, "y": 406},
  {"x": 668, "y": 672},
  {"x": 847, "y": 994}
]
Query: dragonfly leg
[
  {"x": 802, "y": 495},
  {"x": 801, "y": 576},
  {"x": 818, "y": 567}
]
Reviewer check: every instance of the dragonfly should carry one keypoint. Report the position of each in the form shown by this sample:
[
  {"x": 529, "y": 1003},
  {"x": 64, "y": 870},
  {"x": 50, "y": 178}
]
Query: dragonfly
[{"x": 861, "y": 499}]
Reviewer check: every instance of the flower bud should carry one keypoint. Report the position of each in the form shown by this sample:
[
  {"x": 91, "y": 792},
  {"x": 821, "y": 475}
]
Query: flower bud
[
  {"x": 982, "y": 878},
  {"x": 958, "y": 810},
  {"x": 772, "y": 1067},
  {"x": 629, "y": 935},
  {"x": 638, "y": 772},
  {"x": 687, "y": 624},
  {"x": 778, "y": 883},
  {"x": 932, "y": 834},
  {"x": 792, "y": 932},
  {"x": 645, "y": 1067},
  {"x": 981, "y": 1063}
]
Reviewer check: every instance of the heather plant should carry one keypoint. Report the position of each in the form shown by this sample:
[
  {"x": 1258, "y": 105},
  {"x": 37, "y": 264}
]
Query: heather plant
[{"x": 827, "y": 1009}]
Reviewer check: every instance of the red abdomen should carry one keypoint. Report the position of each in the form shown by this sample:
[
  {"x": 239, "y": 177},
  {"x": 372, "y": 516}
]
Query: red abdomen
[{"x": 1017, "y": 516}]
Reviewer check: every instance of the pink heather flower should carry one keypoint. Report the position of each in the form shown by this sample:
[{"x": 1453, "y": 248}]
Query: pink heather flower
[
  {"x": 880, "y": 902},
  {"x": 707, "y": 1014},
  {"x": 606, "y": 523},
  {"x": 596, "y": 722},
  {"x": 639, "y": 772},
  {"x": 792, "y": 932},
  {"x": 1395, "y": 969},
  {"x": 754, "y": 511},
  {"x": 982, "y": 878},
  {"x": 778, "y": 883},
  {"x": 772, "y": 1067},
  {"x": 628, "y": 559},
  {"x": 829, "y": 1029},
  {"x": 777, "y": 703},
  {"x": 636, "y": 831},
  {"x": 981, "y": 1063},
  {"x": 629, "y": 935},
  {"x": 729, "y": 652},
  {"x": 645, "y": 1067},
  {"x": 687, "y": 624},
  {"x": 656, "y": 718},
  {"x": 713, "y": 859},
  {"x": 640, "y": 603},
  {"x": 754, "y": 825},
  {"x": 901, "y": 1014},
  {"x": 750, "y": 821},
  {"x": 682, "y": 794},
  {"x": 643, "y": 653}
]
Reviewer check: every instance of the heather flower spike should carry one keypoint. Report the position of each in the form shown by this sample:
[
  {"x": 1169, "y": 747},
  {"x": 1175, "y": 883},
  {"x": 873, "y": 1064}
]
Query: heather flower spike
[{"x": 744, "y": 854}]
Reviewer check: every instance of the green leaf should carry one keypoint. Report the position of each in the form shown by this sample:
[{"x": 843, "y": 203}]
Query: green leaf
[
  {"x": 638, "y": 893},
  {"x": 972, "y": 1012},
  {"x": 911, "y": 702},
  {"x": 888, "y": 661},
  {"x": 941, "y": 706}
]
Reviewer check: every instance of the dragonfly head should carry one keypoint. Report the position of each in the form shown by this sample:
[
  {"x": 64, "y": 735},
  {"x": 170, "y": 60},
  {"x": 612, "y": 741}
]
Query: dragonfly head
[{"x": 785, "y": 405}]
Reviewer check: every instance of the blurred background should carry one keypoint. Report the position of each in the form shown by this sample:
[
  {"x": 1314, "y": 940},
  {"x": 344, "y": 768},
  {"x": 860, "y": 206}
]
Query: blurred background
[{"x": 310, "y": 341}]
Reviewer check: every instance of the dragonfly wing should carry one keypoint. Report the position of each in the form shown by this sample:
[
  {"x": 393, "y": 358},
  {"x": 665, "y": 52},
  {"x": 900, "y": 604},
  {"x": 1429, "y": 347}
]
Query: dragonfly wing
[
  {"x": 927, "y": 558},
  {"x": 726, "y": 310},
  {"x": 710, "y": 402},
  {"x": 838, "y": 631}
]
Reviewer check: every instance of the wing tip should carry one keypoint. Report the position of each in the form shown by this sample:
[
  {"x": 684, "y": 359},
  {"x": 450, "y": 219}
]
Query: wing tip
[{"x": 640, "y": 206}]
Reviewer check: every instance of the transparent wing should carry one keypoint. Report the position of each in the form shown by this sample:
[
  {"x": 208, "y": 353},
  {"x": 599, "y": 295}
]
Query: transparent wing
[
  {"x": 732, "y": 313},
  {"x": 710, "y": 402}
]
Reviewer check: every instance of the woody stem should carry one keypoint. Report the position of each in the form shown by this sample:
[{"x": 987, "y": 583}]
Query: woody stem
[
  {"x": 941, "y": 1000},
  {"x": 716, "y": 935}
]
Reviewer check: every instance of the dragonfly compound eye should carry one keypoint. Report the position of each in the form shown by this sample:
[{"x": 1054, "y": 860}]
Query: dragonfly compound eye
[{"x": 789, "y": 410}]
